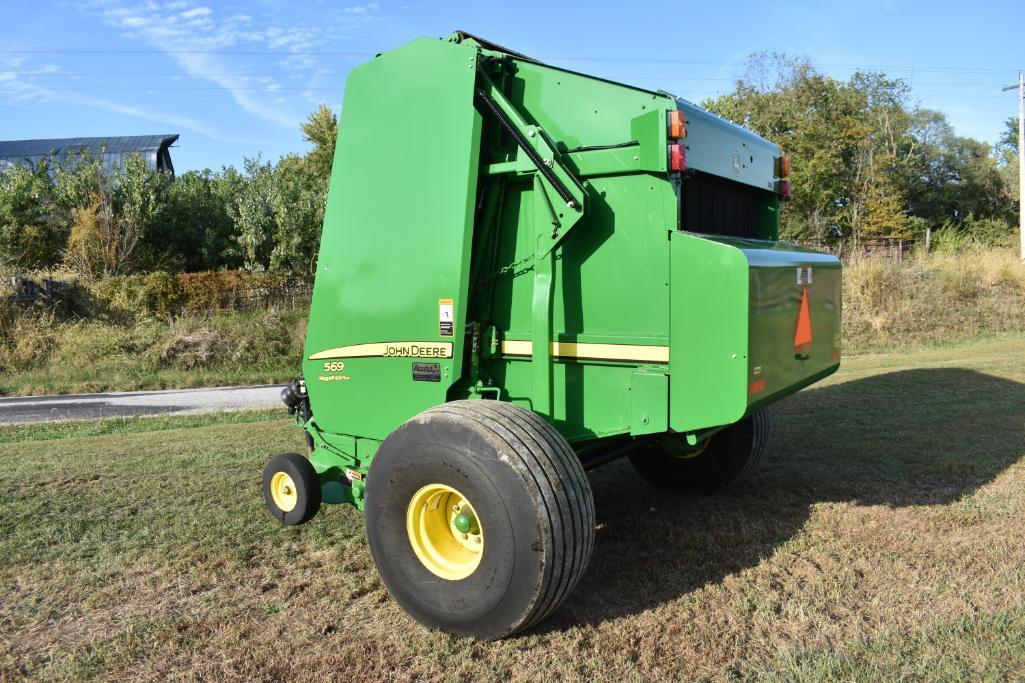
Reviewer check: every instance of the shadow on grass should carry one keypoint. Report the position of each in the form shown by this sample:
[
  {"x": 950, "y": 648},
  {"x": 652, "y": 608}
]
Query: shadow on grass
[{"x": 915, "y": 437}]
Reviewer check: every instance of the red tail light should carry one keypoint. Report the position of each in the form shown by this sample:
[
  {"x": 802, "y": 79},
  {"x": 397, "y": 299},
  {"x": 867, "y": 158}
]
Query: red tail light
[
  {"x": 784, "y": 188},
  {"x": 677, "y": 158}
]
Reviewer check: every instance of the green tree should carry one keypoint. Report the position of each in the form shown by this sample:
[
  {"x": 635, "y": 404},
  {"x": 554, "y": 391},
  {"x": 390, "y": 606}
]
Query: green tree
[
  {"x": 278, "y": 210},
  {"x": 109, "y": 227},
  {"x": 299, "y": 213},
  {"x": 252, "y": 211},
  {"x": 321, "y": 130},
  {"x": 867, "y": 161},
  {"x": 31, "y": 237},
  {"x": 1006, "y": 152},
  {"x": 193, "y": 229},
  {"x": 815, "y": 120}
]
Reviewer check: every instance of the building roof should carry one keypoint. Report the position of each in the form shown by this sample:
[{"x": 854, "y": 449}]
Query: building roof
[
  {"x": 111, "y": 145},
  {"x": 153, "y": 148}
]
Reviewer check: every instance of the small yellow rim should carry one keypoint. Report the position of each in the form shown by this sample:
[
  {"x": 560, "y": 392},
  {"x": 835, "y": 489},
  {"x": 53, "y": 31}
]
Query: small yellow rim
[
  {"x": 283, "y": 491},
  {"x": 434, "y": 536}
]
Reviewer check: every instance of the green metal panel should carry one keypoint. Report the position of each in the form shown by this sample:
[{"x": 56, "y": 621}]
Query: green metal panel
[
  {"x": 396, "y": 238},
  {"x": 707, "y": 360},
  {"x": 649, "y": 402},
  {"x": 611, "y": 274},
  {"x": 579, "y": 110},
  {"x": 590, "y": 399}
]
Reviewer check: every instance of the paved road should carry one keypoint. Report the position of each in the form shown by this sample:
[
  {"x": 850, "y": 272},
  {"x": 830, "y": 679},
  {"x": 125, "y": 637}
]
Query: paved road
[{"x": 124, "y": 403}]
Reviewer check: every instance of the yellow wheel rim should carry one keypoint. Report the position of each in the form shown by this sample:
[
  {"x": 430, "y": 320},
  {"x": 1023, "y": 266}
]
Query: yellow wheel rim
[
  {"x": 283, "y": 491},
  {"x": 687, "y": 455},
  {"x": 444, "y": 531}
]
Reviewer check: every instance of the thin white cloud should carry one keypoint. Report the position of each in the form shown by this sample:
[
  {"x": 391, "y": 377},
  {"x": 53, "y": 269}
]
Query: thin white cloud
[
  {"x": 196, "y": 12},
  {"x": 188, "y": 32},
  {"x": 212, "y": 69},
  {"x": 362, "y": 9}
]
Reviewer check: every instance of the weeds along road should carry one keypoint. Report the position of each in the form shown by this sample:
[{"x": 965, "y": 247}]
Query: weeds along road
[
  {"x": 27, "y": 409},
  {"x": 881, "y": 539}
]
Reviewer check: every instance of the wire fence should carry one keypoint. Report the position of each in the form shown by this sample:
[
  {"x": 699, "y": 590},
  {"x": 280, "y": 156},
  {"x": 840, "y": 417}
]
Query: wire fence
[
  {"x": 882, "y": 247},
  {"x": 170, "y": 295},
  {"x": 250, "y": 296}
]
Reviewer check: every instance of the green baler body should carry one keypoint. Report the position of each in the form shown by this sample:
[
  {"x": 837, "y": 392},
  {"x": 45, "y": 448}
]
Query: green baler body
[{"x": 624, "y": 313}]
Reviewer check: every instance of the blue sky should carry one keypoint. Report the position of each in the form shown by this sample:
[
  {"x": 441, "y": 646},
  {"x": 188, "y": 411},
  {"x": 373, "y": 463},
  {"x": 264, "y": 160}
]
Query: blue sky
[{"x": 236, "y": 78}]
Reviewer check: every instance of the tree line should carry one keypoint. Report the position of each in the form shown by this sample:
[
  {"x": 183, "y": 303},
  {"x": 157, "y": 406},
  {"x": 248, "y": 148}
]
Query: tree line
[{"x": 867, "y": 162}]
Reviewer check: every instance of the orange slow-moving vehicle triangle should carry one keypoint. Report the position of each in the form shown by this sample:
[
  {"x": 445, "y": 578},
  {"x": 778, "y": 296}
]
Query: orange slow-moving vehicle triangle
[{"x": 802, "y": 336}]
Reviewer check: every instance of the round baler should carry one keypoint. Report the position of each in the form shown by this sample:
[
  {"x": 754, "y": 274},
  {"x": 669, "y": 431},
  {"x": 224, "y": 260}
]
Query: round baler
[{"x": 524, "y": 273}]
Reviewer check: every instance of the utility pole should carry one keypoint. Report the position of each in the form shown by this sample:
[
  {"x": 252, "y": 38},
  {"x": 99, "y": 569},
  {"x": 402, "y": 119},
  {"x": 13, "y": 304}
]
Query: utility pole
[{"x": 1020, "y": 85}]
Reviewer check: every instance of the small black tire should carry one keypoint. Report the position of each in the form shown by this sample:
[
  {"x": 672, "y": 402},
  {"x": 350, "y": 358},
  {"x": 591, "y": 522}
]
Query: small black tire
[
  {"x": 291, "y": 489},
  {"x": 528, "y": 492},
  {"x": 727, "y": 458}
]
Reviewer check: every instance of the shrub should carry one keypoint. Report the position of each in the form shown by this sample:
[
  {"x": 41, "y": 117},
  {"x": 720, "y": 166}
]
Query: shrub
[
  {"x": 162, "y": 294},
  {"x": 211, "y": 291},
  {"x": 121, "y": 298},
  {"x": 26, "y": 338},
  {"x": 973, "y": 234}
]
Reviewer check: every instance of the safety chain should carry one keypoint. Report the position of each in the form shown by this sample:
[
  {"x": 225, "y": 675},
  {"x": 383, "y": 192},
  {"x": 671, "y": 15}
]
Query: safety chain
[{"x": 511, "y": 268}]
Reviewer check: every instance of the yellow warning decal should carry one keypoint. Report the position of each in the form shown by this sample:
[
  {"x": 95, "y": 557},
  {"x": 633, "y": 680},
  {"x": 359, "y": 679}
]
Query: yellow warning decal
[{"x": 446, "y": 318}]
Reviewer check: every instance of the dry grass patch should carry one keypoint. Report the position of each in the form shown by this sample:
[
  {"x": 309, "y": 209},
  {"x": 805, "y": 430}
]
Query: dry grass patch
[{"x": 932, "y": 298}]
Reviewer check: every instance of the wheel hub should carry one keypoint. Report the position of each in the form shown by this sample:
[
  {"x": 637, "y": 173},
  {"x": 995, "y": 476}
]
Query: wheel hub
[
  {"x": 444, "y": 532},
  {"x": 283, "y": 491},
  {"x": 696, "y": 451}
]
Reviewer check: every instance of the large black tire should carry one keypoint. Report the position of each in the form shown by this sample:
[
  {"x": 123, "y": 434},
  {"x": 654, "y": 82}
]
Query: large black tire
[
  {"x": 529, "y": 492},
  {"x": 726, "y": 458},
  {"x": 302, "y": 485}
]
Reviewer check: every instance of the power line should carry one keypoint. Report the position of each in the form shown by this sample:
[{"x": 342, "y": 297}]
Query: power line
[
  {"x": 623, "y": 60},
  {"x": 287, "y": 74}
]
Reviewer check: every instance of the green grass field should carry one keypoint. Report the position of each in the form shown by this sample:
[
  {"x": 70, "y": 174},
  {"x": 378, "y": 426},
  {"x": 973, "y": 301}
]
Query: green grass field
[{"x": 883, "y": 538}]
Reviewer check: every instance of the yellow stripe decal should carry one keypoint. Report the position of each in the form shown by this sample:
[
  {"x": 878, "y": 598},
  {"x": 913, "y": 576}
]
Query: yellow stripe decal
[
  {"x": 621, "y": 352},
  {"x": 403, "y": 349}
]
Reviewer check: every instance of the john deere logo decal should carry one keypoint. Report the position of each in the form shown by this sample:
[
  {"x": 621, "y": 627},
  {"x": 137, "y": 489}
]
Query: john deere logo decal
[{"x": 403, "y": 349}]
